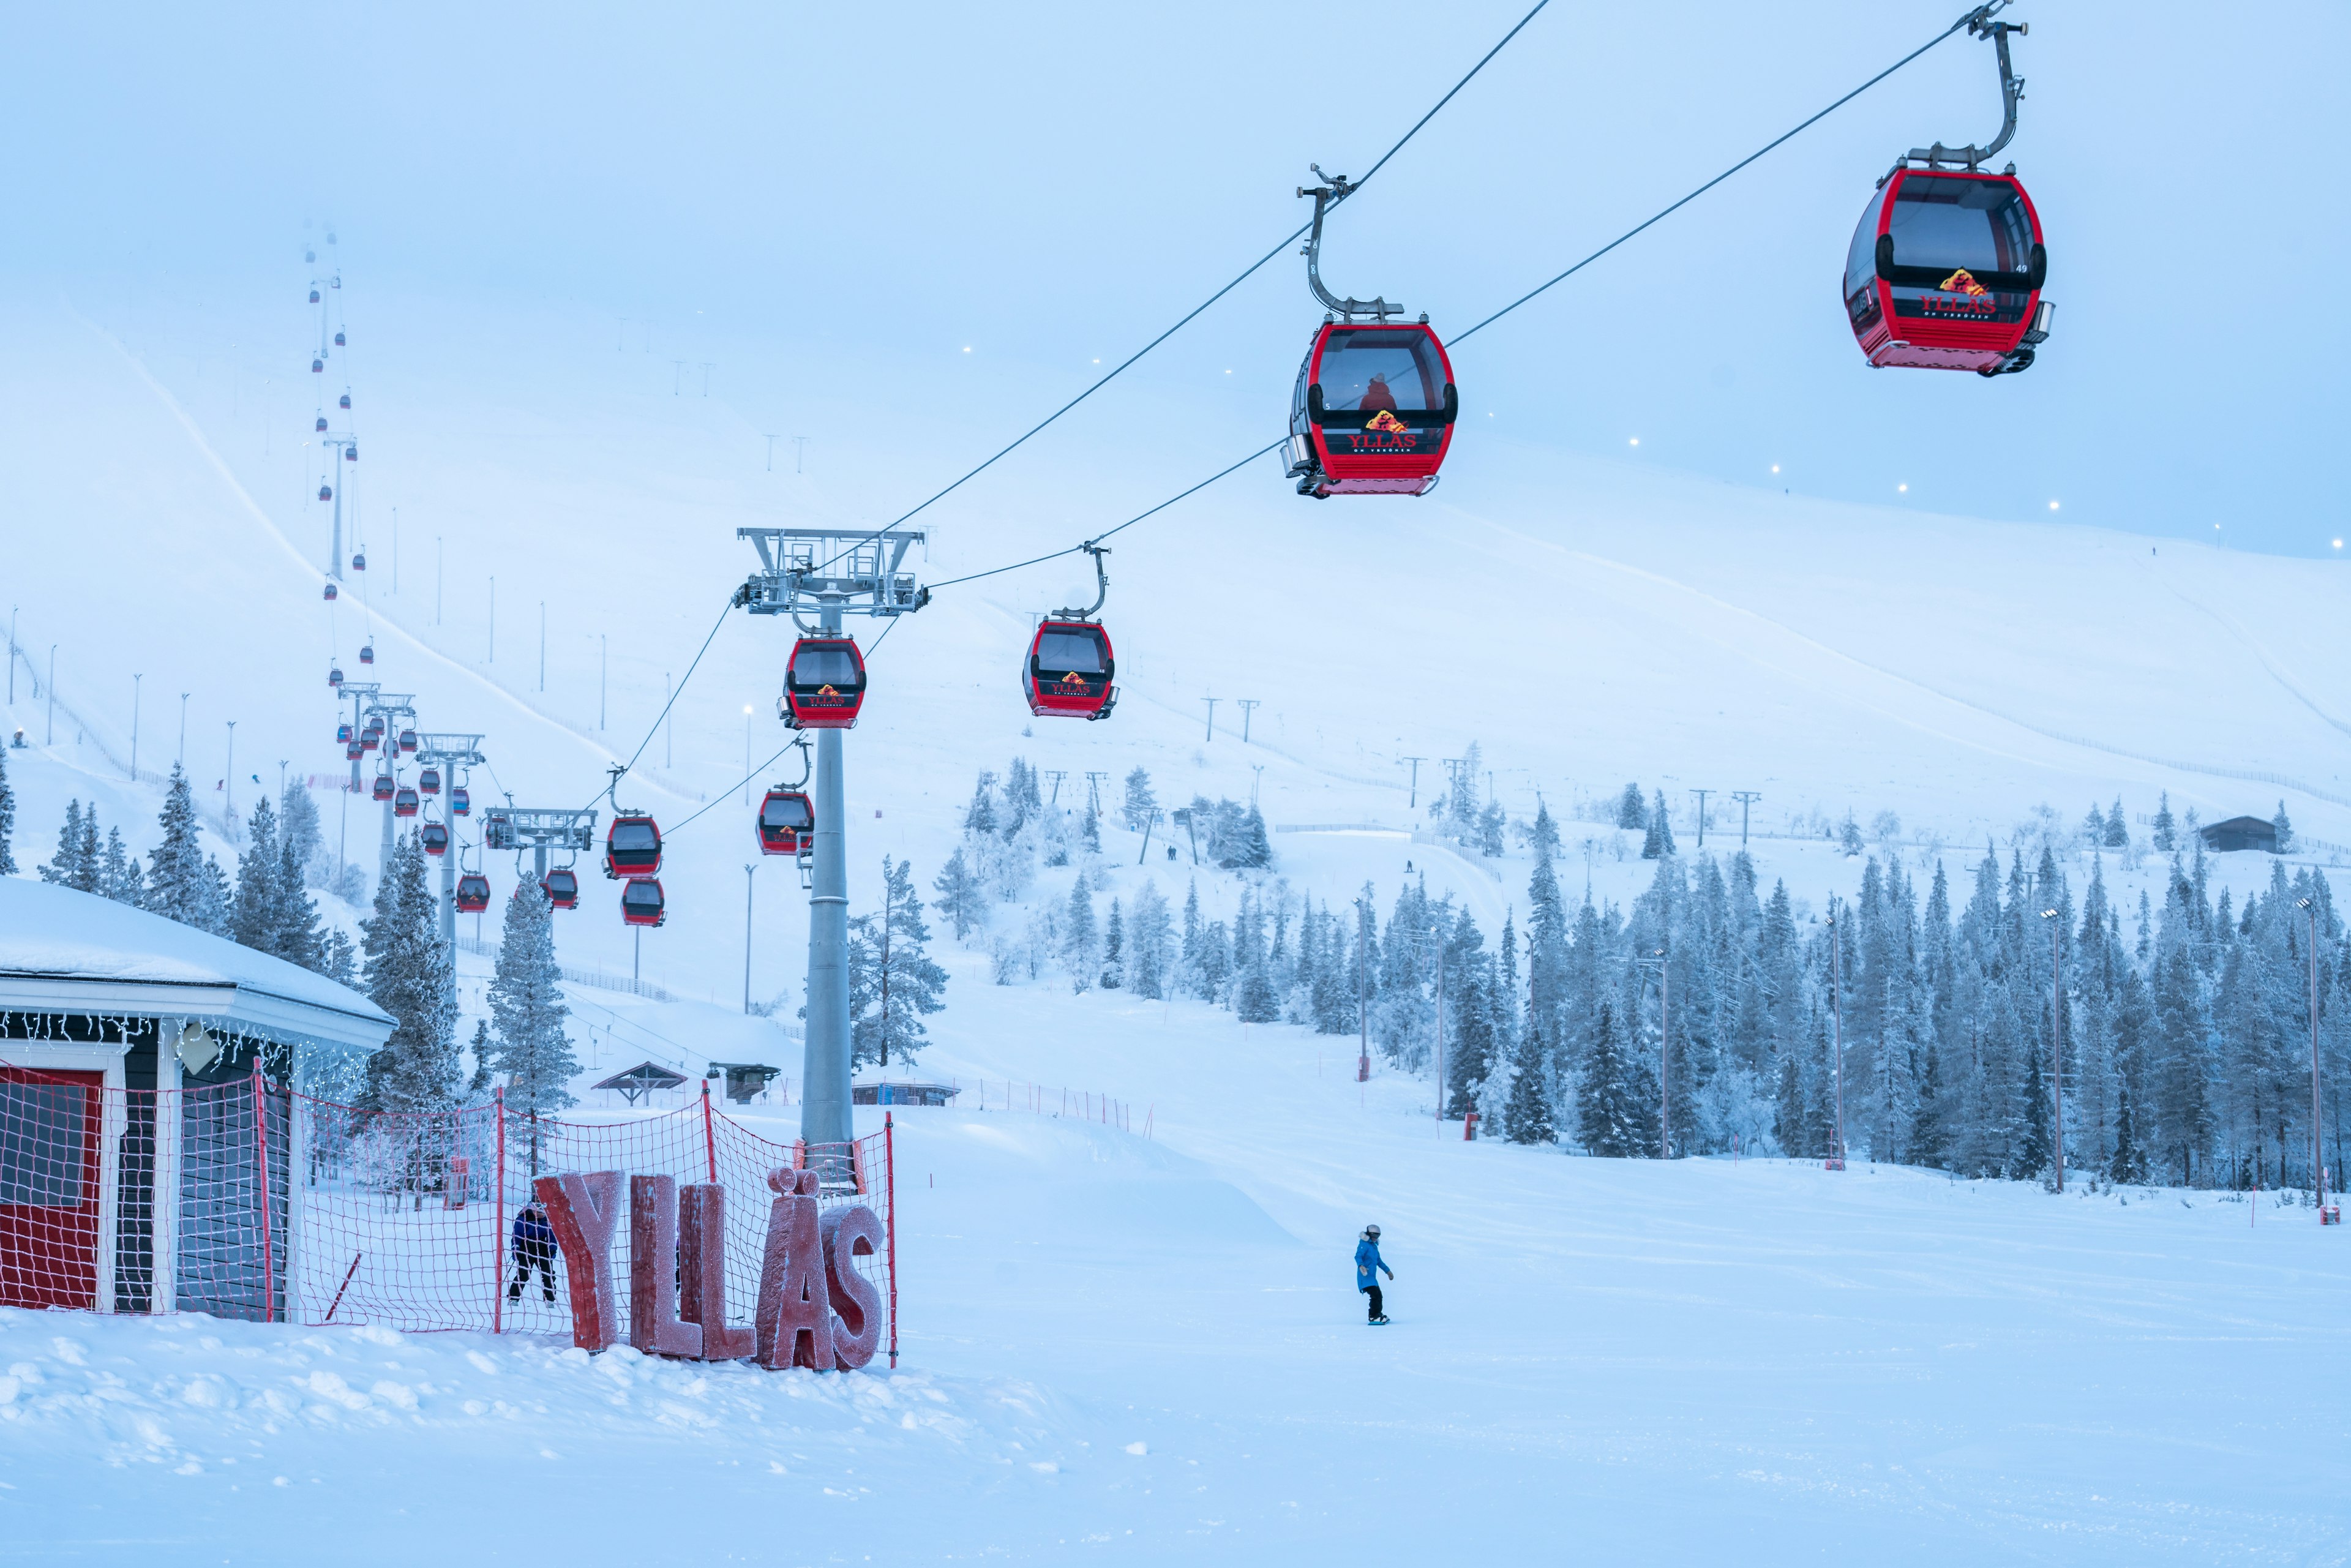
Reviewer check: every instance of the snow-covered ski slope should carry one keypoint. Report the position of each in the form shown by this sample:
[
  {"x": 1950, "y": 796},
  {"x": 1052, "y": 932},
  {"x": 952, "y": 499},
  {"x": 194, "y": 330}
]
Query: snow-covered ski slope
[
  {"x": 1123, "y": 1350},
  {"x": 1588, "y": 622}
]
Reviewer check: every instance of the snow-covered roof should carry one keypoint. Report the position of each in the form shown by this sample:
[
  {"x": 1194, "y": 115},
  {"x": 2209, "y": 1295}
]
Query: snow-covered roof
[{"x": 66, "y": 951}]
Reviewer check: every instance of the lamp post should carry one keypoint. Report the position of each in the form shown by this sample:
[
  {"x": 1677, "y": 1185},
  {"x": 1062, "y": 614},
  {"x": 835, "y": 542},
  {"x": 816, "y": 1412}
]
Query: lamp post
[
  {"x": 746, "y": 936},
  {"x": 2057, "y": 1036},
  {"x": 2309, "y": 908}
]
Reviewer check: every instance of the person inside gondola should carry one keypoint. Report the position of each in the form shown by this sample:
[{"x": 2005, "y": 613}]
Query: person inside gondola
[{"x": 1377, "y": 396}]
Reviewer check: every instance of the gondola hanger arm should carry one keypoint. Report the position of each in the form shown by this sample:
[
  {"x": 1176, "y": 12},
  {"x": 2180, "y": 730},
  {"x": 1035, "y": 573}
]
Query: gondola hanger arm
[
  {"x": 1327, "y": 196},
  {"x": 1981, "y": 24},
  {"x": 1102, "y": 584}
]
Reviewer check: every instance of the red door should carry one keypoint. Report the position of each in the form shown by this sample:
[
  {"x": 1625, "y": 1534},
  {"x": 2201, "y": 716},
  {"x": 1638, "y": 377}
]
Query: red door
[{"x": 49, "y": 1187}]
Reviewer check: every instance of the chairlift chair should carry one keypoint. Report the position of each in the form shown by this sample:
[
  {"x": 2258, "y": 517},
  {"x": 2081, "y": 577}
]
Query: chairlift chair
[
  {"x": 561, "y": 886},
  {"x": 1947, "y": 264},
  {"x": 641, "y": 902},
  {"x": 824, "y": 684},
  {"x": 633, "y": 846},
  {"x": 787, "y": 820},
  {"x": 1373, "y": 407}
]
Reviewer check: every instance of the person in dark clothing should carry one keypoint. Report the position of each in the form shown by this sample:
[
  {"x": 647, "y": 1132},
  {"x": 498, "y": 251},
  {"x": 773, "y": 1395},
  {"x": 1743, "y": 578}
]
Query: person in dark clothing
[
  {"x": 1369, "y": 1267},
  {"x": 534, "y": 1247}
]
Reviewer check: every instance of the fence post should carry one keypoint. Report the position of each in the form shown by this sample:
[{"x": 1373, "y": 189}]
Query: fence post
[
  {"x": 498, "y": 1228},
  {"x": 261, "y": 1149},
  {"x": 890, "y": 1225},
  {"x": 709, "y": 1134}
]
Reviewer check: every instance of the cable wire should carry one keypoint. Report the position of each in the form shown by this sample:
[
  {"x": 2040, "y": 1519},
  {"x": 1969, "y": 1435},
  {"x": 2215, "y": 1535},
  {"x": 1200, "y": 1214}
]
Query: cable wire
[
  {"x": 673, "y": 696},
  {"x": 716, "y": 799},
  {"x": 1718, "y": 179},
  {"x": 1245, "y": 273}
]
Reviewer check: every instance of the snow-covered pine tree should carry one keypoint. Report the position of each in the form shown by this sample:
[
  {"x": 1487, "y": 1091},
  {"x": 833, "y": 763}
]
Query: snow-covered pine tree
[
  {"x": 480, "y": 1083},
  {"x": 175, "y": 871},
  {"x": 1113, "y": 973},
  {"x": 297, "y": 938},
  {"x": 979, "y": 817},
  {"x": 1604, "y": 1116},
  {"x": 1632, "y": 807},
  {"x": 1849, "y": 837},
  {"x": 1254, "y": 851},
  {"x": 1492, "y": 821},
  {"x": 962, "y": 897},
  {"x": 7, "y": 822},
  {"x": 119, "y": 877},
  {"x": 2284, "y": 827},
  {"x": 2166, "y": 834},
  {"x": 529, "y": 1042},
  {"x": 1090, "y": 828},
  {"x": 76, "y": 863},
  {"x": 1080, "y": 941},
  {"x": 417, "y": 1069},
  {"x": 297, "y": 831},
  {"x": 1526, "y": 1116},
  {"x": 1149, "y": 939},
  {"x": 1140, "y": 803},
  {"x": 2094, "y": 826},
  {"x": 253, "y": 919},
  {"x": 2117, "y": 828},
  {"x": 893, "y": 982},
  {"x": 1661, "y": 823}
]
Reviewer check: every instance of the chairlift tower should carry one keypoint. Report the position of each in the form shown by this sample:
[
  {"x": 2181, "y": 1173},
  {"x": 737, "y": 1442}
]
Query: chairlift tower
[
  {"x": 393, "y": 706},
  {"x": 452, "y": 752},
  {"x": 830, "y": 573},
  {"x": 338, "y": 446},
  {"x": 538, "y": 828},
  {"x": 358, "y": 694}
]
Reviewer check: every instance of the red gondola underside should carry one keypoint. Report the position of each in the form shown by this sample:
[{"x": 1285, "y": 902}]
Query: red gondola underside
[
  {"x": 1373, "y": 412},
  {"x": 787, "y": 821},
  {"x": 1068, "y": 671},
  {"x": 641, "y": 902},
  {"x": 632, "y": 847},
  {"x": 824, "y": 684},
  {"x": 1945, "y": 272}
]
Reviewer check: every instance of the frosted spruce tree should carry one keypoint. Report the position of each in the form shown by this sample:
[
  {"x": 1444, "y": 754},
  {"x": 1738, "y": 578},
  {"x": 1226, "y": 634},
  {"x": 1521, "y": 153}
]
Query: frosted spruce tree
[
  {"x": 893, "y": 982},
  {"x": 1114, "y": 974},
  {"x": 7, "y": 822},
  {"x": 963, "y": 898},
  {"x": 407, "y": 977},
  {"x": 527, "y": 1011},
  {"x": 1080, "y": 943},
  {"x": 1141, "y": 805},
  {"x": 1150, "y": 936},
  {"x": 119, "y": 877},
  {"x": 254, "y": 918},
  {"x": 297, "y": 830},
  {"x": 76, "y": 863}
]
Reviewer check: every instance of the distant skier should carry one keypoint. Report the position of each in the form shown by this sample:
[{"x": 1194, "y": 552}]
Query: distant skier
[
  {"x": 1369, "y": 1267},
  {"x": 534, "y": 1247}
]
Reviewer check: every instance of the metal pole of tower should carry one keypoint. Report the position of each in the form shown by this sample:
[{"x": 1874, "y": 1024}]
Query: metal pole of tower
[
  {"x": 747, "y": 885},
  {"x": 1701, "y": 795},
  {"x": 336, "y": 568},
  {"x": 1212, "y": 716},
  {"x": 824, "y": 1103},
  {"x": 2057, "y": 1038},
  {"x": 1745, "y": 797},
  {"x": 1247, "y": 706},
  {"x": 1414, "y": 804}
]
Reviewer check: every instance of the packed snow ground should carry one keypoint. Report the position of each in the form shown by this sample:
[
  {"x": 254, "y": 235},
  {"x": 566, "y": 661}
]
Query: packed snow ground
[{"x": 1123, "y": 1349}]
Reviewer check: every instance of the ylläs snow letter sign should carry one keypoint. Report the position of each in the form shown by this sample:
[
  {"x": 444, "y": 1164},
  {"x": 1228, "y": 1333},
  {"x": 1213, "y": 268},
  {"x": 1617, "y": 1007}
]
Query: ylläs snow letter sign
[{"x": 815, "y": 1309}]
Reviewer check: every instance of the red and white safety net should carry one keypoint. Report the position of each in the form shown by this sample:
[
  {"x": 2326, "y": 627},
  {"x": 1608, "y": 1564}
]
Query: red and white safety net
[{"x": 281, "y": 1206}]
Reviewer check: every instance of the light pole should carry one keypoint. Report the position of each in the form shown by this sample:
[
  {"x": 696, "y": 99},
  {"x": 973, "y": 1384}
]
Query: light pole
[
  {"x": 229, "y": 780},
  {"x": 746, "y": 936},
  {"x": 1701, "y": 795},
  {"x": 1212, "y": 716},
  {"x": 1413, "y": 803},
  {"x": 1836, "y": 1024},
  {"x": 2309, "y": 908},
  {"x": 1745, "y": 797},
  {"x": 1363, "y": 1007},
  {"x": 747, "y": 754},
  {"x": 1247, "y": 706},
  {"x": 2057, "y": 1036}
]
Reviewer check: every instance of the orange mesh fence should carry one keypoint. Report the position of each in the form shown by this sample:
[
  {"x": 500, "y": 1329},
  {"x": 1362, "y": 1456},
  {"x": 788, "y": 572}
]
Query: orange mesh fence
[{"x": 244, "y": 1200}]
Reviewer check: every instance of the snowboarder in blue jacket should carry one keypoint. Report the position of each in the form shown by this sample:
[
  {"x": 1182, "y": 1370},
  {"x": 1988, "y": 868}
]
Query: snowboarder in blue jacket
[{"x": 1369, "y": 1267}]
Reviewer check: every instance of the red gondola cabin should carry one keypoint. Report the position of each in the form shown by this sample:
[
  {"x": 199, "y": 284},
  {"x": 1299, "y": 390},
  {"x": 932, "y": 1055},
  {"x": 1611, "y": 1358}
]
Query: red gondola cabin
[
  {"x": 632, "y": 847},
  {"x": 407, "y": 740},
  {"x": 1373, "y": 413},
  {"x": 404, "y": 801},
  {"x": 461, "y": 804},
  {"x": 473, "y": 893},
  {"x": 435, "y": 837},
  {"x": 641, "y": 902},
  {"x": 787, "y": 821},
  {"x": 824, "y": 684},
  {"x": 562, "y": 888},
  {"x": 429, "y": 781},
  {"x": 1068, "y": 671},
  {"x": 383, "y": 787},
  {"x": 1945, "y": 272}
]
